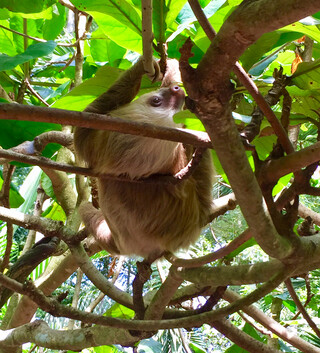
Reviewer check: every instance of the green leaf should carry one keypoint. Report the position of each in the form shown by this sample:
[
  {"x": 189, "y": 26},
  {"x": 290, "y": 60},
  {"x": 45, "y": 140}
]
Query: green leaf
[
  {"x": 120, "y": 311},
  {"x": 311, "y": 31},
  {"x": 248, "y": 244},
  {"x": 28, "y": 190},
  {"x": 159, "y": 14},
  {"x": 258, "y": 49},
  {"x": 33, "y": 51},
  {"x": 201, "y": 39},
  {"x": 25, "y": 131},
  {"x": 290, "y": 304},
  {"x": 175, "y": 6},
  {"x": 106, "y": 50},
  {"x": 189, "y": 120},
  {"x": 53, "y": 27},
  {"x": 55, "y": 212},
  {"x": 282, "y": 183},
  {"x": 264, "y": 145},
  {"x": 46, "y": 184},
  {"x": 105, "y": 349},
  {"x": 307, "y": 75},
  {"x": 196, "y": 348},
  {"x": 26, "y": 6},
  {"x": 17, "y": 24},
  {"x": 6, "y": 40},
  {"x": 149, "y": 345},
  {"x": 251, "y": 332},
  {"x": 119, "y": 20},
  {"x": 304, "y": 101}
]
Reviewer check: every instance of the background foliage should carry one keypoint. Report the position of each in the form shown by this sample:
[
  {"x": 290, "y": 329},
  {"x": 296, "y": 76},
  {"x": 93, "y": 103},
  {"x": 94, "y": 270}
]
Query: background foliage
[{"x": 38, "y": 67}]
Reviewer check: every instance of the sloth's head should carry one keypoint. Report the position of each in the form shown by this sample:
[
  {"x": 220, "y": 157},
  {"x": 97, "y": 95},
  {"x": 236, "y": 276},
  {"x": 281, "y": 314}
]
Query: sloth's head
[
  {"x": 157, "y": 107},
  {"x": 166, "y": 99}
]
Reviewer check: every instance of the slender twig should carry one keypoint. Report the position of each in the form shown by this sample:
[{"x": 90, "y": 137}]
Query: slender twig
[
  {"x": 101, "y": 295},
  {"x": 41, "y": 195},
  {"x": 8, "y": 171},
  {"x": 147, "y": 37},
  {"x": 67, "y": 4},
  {"x": 301, "y": 308},
  {"x": 76, "y": 296},
  {"x": 36, "y": 94},
  {"x": 200, "y": 261}
]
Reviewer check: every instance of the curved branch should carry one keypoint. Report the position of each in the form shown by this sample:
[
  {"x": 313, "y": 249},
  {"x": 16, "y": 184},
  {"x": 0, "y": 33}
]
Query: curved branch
[
  {"x": 162, "y": 297},
  {"x": 277, "y": 168},
  {"x": 97, "y": 277}
]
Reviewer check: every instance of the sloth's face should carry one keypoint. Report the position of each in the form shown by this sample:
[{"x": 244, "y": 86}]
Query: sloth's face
[{"x": 168, "y": 98}]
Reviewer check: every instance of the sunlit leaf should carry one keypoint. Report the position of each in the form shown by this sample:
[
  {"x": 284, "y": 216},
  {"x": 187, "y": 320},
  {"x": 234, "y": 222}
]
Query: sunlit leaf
[
  {"x": 53, "y": 27},
  {"x": 119, "y": 20},
  {"x": 26, "y": 6},
  {"x": 307, "y": 75},
  {"x": 120, "y": 311}
]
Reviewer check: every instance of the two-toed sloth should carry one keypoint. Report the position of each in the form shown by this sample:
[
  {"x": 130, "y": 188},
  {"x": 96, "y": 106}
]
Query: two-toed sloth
[{"x": 145, "y": 219}]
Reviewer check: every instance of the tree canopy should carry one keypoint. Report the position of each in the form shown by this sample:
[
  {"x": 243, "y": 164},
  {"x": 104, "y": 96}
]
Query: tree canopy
[{"x": 251, "y": 73}]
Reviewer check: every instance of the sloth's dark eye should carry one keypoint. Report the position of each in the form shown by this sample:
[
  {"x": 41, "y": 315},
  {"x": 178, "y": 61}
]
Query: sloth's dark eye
[{"x": 155, "y": 101}]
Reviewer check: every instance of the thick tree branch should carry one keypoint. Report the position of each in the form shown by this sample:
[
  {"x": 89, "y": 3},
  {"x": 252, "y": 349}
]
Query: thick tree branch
[
  {"x": 46, "y": 226},
  {"x": 97, "y": 278},
  {"x": 102, "y": 122}
]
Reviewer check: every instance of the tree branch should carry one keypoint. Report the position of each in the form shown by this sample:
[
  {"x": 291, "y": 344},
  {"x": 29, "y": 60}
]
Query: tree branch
[
  {"x": 301, "y": 308},
  {"x": 203, "y": 260},
  {"x": 147, "y": 37},
  {"x": 102, "y": 122}
]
